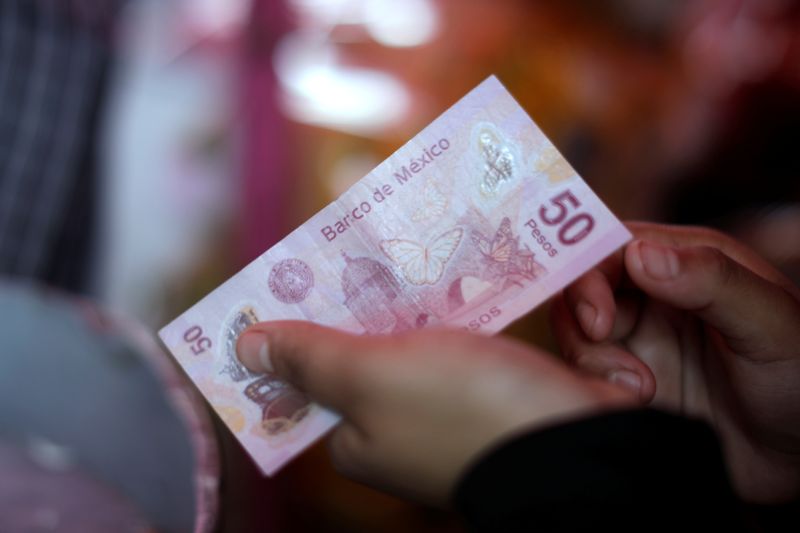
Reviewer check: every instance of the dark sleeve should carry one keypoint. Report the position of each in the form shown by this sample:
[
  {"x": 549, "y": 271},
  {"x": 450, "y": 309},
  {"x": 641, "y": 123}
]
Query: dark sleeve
[{"x": 639, "y": 470}]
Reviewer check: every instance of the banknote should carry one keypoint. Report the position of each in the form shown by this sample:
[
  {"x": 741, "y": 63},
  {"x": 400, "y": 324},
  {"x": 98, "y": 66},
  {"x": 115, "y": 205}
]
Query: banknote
[{"x": 471, "y": 224}]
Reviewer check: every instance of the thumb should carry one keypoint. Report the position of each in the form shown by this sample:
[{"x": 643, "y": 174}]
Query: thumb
[
  {"x": 755, "y": 317},
  {"x": 315, "y": 359}
]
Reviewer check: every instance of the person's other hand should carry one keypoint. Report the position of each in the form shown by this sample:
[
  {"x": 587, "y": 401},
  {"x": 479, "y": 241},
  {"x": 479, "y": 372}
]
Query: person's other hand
[
  {"x": 691, "y": 320},
  {"x": 417, "y": 408}
]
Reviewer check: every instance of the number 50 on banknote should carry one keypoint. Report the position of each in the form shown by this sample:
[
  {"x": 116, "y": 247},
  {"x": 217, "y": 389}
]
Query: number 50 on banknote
[{"x": 471, "y": 224}]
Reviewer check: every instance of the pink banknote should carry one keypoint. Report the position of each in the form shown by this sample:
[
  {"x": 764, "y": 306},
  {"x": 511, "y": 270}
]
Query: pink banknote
[{"x": 471, "y": 224}]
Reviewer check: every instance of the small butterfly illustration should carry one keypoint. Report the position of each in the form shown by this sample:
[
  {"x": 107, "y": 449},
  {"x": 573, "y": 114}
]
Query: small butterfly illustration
[
  {"x": 503, "y": 255},
  {"x": 423, "y": 265},
  {"x": 433, "y": 206},
  {"x": 502, "y": 247}
]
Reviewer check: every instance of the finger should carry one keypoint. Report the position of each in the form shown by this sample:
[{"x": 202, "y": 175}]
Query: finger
[
  {"x": 606, "y": 360},
  {"x": 603, "y": 311},
  {"x": 318, "y": 360},
  {"x": 591, "y": 297},
  {"x": 755, "y": 316},
  {"x": 628, "y": 307},
  {"x": 347, "y": 446},
  {"x": 678, "y": 236},
  {"x": 591, "y": 301}
]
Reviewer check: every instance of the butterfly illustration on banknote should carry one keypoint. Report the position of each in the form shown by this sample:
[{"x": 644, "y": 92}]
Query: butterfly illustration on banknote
[
  {"x": 434, "y": 204},
  {"x": 504, "y": 257},
  {"x": 423, "y": 264}
]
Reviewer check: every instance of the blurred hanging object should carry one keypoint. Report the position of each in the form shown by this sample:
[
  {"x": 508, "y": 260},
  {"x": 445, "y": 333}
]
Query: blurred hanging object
[
  {"x": 54, "y": 60},
  {"x": 732, "y": 43},
  {"x": 321, "y": 86},
  {"x": 396, "y": 24},
  {"x": 319, "y": 91}
]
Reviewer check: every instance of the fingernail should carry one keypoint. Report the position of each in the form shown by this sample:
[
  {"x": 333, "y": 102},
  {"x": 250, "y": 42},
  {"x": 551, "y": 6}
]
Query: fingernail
[
  {"x": 626, "y": 378},
  {"x": 659, "y": 262},
  {"x": 587, "y": 315},
  {"x": 253, "y": 351}
]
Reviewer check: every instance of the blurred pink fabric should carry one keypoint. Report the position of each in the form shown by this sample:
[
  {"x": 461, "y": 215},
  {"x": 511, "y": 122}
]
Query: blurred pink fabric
[{"x": 267, "y": 176}]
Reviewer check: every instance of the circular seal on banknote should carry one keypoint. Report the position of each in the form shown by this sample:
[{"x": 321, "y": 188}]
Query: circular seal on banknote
[{"x": 290, "y": 281}]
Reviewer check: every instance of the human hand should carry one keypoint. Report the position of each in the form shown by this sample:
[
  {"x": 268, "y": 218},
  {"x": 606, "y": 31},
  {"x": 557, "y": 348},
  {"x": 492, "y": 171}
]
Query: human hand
[
  {"x": 418, "y": 408},
  {"x": 693, "y": 321}
]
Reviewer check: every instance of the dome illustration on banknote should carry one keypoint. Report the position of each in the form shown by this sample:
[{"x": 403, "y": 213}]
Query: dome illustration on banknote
[{"x": 375, "y": 297}]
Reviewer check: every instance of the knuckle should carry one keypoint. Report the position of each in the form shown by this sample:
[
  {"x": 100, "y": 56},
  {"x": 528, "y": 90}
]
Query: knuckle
[
  {"x": 288, "y": 357},
  {"x": 583, "y": 360},
  {"x": 701, "y": 236},
  {"x": 346, "y": 449},
  {"x": 581, "y": 287},
  {"x": 306, "y": 354},
  {"x": 570, "y": 353},
  {"x": 571, "y": 295},
  {"x": 346, "y": 372},
  {"x": 710, "y": 234},
  {"x": 723, "y": 266},
  {"x": 560, "y": 312}
]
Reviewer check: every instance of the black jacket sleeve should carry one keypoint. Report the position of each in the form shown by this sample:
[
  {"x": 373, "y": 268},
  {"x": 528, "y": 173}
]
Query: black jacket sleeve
[{"x": 638, "y": 470}]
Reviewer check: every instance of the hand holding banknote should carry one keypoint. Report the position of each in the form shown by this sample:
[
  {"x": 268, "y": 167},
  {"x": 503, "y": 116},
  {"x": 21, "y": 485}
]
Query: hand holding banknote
[
  {"x": 693, "y": 321},
  {"x": 470, "y": 225},
  {"x": 418, "y": 408}
]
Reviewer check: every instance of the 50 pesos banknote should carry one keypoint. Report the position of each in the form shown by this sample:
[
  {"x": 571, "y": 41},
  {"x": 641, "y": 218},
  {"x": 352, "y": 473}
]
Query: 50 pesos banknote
[{"x": 471, "y": 224}]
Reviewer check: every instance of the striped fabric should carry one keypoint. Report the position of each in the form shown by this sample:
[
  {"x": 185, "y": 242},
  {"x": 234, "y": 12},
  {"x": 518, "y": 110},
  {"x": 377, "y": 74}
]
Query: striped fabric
[{"x": 54, "y": 58}]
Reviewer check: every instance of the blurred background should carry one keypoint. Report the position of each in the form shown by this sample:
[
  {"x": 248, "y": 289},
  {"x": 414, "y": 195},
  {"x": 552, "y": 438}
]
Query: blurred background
[{"x": 149, "y": 149}]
